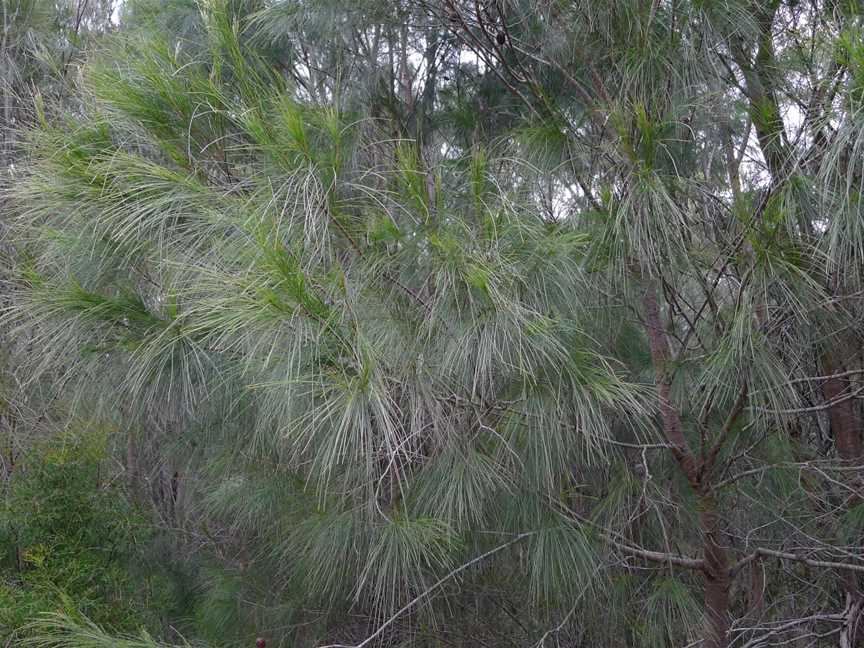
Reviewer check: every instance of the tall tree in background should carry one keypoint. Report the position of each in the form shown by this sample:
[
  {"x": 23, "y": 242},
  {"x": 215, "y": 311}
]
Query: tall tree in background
[{"x": 411, "y": 308}]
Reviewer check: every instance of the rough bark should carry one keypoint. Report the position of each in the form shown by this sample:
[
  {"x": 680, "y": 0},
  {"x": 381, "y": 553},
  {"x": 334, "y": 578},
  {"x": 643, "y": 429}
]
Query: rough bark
[{"x": 844, "y": 415}]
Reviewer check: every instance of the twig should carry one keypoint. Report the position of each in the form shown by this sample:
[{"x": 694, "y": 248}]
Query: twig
[
  {"x": 785, "y": 555},
  {"x": 431, "y": 589}
]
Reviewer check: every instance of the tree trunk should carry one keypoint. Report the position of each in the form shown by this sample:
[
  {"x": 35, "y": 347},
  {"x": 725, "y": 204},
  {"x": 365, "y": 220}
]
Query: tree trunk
[
  {"x": 846, "y": 427},
  {"x": 716, "y": 576},
  {"x": 844, "y": 414}
]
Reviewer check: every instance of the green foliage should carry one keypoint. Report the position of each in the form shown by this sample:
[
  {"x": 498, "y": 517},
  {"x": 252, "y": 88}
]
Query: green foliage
[
  {"x": 562, "y": 563},
  {"x": 346, "y": 367},
  {"x": 65, "y": 630},
  {"x": 666, "y": 607},
  {"x": 70, "y": 539}
]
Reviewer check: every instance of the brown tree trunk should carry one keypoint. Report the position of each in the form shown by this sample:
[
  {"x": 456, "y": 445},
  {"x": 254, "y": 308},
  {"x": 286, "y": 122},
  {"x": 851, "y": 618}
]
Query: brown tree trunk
[
  {"x": 846, "y": 428},
  {"x": 660, "y": 358},
  {"x": 717, "y": 578},
  {"x": 844, "y": 414}
]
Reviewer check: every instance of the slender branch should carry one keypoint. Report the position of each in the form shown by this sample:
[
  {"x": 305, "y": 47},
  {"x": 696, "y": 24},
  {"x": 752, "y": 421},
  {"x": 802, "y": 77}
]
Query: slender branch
[
  {"x": 648, "y": 554},
  {"x": 658, "y": 556},
  {"x": 803, "y": 465},
  {"x": 430, "y": 590},
  {"x": 816, "y": 408},
  {"x": 786, "y": 555},
  {"x": 639, "y": 446},
  {"x": 761, "y": 639},
  {"x": 841, "y": 374},
  {"x": 660, "y": 357},
  {"x": 737, "y": 409}
]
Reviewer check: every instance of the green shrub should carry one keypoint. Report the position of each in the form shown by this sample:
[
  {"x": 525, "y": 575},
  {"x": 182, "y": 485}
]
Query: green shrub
[{"x": 71, "y": 537}]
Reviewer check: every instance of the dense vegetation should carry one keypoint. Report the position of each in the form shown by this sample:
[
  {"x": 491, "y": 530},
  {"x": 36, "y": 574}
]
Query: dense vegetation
[{"x": 503, "y": 322}]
